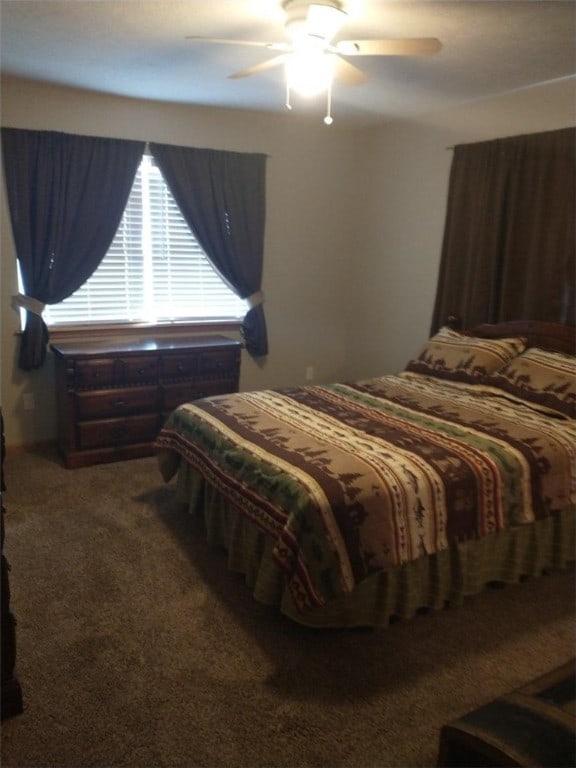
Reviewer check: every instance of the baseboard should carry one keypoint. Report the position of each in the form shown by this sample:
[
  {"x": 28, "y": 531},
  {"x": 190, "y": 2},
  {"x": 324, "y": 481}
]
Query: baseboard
[{"x": 42, "y": 446}]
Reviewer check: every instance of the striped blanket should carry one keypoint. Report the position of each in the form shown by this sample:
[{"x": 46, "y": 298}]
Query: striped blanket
[{"x": 351, "y": 479}]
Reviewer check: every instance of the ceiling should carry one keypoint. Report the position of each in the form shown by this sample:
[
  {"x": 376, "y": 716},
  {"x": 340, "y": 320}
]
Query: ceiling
[{"x": 138, "y": 48}]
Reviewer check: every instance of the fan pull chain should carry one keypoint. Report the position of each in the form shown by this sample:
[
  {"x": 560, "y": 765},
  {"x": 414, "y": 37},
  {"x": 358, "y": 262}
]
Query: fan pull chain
[{"x": 328, "y": 119}]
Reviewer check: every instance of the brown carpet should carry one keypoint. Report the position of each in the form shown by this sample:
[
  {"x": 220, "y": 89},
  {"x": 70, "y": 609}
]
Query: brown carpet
[{"x": 136, "y": 646}]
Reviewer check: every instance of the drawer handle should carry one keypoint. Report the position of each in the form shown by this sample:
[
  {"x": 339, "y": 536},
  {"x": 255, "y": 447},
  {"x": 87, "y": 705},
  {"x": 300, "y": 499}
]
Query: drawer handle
[
  {"x": 180, "y": 367},
  {"x": 119, "y": 404},
  {"x": 141, "y": 371}
]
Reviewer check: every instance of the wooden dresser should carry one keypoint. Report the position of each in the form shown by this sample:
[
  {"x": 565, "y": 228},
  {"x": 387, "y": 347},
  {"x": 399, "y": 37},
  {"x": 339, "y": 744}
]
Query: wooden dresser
[{"x": 113, "y": 398}]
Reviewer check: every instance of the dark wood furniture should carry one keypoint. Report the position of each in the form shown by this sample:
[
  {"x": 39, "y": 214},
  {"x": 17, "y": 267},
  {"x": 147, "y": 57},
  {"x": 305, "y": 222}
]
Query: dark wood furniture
[
  {"x": 532, "y": 726},
  {"x": 11, "y": 690},
  {"x": 113, "y": 397},
  {"x": 538, "y": 333}
]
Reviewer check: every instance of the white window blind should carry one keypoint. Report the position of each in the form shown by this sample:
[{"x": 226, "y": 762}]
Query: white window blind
[{"x": 154, "y": 271}]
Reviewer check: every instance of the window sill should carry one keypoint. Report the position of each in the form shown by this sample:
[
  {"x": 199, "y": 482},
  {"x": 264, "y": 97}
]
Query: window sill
[{"x": 142, "y": 330}]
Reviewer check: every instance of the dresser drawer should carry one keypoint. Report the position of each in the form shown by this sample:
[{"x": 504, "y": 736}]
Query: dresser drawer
[
  {"x": 116, "y": 402},
  {"x": 218, "y": 363},
  {"x": 179, "y": 366},
  {"x": 173, "y": 395},
  {"x": 134, "y": 369},
  {"x": 94, "y": 373},
  {"x": 106, "y": 433}
]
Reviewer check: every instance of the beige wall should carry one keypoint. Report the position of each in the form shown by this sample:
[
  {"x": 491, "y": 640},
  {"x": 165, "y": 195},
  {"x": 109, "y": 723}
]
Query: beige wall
[{"x": 354, "y": 224}]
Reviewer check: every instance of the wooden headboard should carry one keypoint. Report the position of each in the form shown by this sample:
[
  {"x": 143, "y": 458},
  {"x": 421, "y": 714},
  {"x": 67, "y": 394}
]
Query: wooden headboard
[{"x": 538, "y": 333}]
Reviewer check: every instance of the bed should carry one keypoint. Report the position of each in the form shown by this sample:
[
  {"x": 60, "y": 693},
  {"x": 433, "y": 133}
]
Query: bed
[{"x": 355, "y": 503}]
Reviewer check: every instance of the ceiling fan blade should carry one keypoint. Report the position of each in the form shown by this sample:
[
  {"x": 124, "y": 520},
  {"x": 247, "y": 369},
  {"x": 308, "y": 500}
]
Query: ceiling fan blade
[
  {"x": 410, "y": 46},
  {"x": 262, "y": 67},
  {"x": 224, "y": 41},
  {"x": 348, "y": 73}
]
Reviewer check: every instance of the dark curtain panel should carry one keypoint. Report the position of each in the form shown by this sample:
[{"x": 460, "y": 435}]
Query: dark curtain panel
[
  {"x": 222, "y": 196},
  {"x": 66, "y": 196},
  {"x": 509, "y": 239}
]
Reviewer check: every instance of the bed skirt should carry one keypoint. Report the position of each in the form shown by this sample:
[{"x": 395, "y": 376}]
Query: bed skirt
[{"x": 428, "y": 583}]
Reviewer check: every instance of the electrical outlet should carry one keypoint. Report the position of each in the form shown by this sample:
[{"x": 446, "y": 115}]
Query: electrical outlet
[
  {"x": 310, "y": 373},
  {"x": 28, "y": 401}
]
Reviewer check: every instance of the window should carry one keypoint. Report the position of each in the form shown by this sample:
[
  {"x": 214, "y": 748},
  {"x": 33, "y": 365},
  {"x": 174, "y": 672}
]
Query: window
[{"x": 154, "y": 272}]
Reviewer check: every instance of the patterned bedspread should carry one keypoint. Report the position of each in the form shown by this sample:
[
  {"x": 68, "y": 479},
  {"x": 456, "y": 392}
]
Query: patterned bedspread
[{"x": 350, "y": 479}]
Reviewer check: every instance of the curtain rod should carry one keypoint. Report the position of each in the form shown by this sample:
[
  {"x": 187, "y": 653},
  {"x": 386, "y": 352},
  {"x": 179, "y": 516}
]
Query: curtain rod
[{"x": 147, "y": 150}]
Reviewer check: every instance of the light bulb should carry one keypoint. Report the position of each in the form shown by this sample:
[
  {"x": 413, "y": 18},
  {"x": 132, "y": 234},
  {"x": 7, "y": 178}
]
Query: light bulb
[{"x": 309, "y": 71}]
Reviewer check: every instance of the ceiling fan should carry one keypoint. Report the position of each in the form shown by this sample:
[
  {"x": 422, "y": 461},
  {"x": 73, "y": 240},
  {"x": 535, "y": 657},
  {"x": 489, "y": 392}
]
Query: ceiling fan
[{"x": 312, "y": 59}]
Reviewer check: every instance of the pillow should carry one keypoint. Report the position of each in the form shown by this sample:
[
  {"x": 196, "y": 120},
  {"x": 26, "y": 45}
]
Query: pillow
[
  {"x": 455, "y": 356},
  {"x": 539, "y": 376}
]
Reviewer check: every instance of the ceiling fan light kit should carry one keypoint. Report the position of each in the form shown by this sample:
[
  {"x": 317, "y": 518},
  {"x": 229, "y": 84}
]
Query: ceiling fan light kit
[
  {"x": 309, "y": 66},
  {"x": 310, "y": 58},
  {"x": 309, "y": 73}
]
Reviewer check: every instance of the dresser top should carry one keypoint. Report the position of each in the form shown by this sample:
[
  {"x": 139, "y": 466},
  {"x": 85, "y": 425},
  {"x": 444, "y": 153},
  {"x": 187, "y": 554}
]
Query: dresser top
[{"x": 91, "y": 348}]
